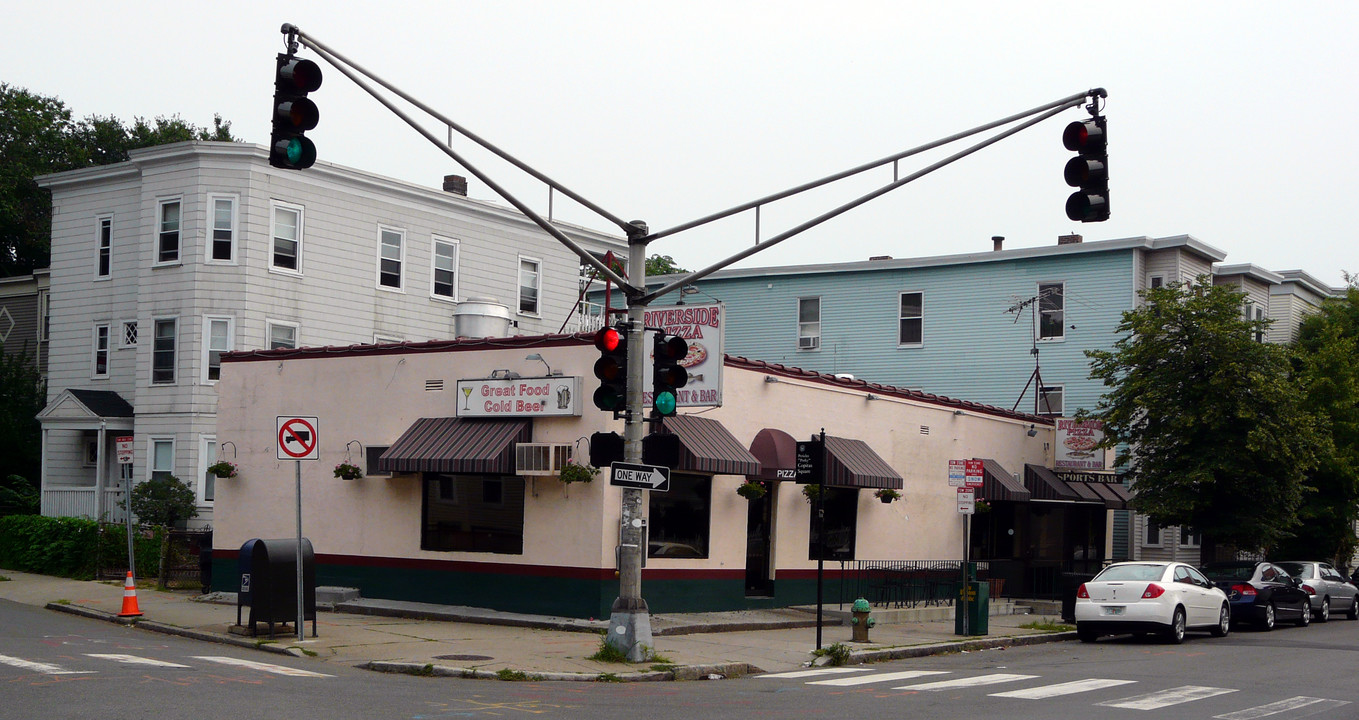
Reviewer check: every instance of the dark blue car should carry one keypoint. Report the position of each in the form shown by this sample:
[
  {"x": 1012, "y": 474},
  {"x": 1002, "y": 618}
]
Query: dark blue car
[{"x": 1261, "y": 593}]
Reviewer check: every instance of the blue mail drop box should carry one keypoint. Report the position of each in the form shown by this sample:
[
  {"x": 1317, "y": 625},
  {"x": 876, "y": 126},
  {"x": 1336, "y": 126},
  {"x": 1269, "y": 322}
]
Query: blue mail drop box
[{"x": 268, "y": 583}]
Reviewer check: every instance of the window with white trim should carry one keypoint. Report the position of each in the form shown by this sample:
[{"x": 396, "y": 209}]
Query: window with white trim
[
  {"x": 44, "y": 314},
  {"x": 218, "y": 337},
  {"x": 1051, "y": 311},
  {"x": 391, "y": 256},
  {"x": 207, "y": 482},
  {"x": 129, "y": 334},
  {"x": 100, "y": 357},
  {"x": 530, "y": 282},
  {"x": 445, "y": 269},
  {"x": 222, "y": 234},
  {"x": 1151, "y": 535},
  {"x": 167, "y": 233},
  {"x": 163, "y": 351},
  {"x": 161, "y": 450},
  {"x": 104, "y": 261},
  {"x": 1050, "y": 400},
  {"x": 285, "y": 227},
  {"x": 1190, "y": 537},
  {"x": 911, "y": 317},
  {"x": 808, "y": 323},
  {"x": 1155, "y": 281},
  {"x": 281, "y": 335}
]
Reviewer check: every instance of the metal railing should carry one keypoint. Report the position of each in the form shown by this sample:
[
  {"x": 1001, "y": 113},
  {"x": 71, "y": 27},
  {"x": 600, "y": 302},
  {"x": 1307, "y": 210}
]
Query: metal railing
[
  {"x": 80, "y": 502},
  {"x": 907, "y": 583}
]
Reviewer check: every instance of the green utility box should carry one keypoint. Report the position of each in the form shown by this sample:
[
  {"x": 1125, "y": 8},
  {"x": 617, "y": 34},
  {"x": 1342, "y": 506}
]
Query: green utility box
[{"x": 972, "y": 609}]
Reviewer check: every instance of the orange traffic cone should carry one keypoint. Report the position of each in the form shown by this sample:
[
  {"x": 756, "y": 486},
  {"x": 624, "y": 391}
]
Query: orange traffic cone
[{"x": 130, "y": 608}]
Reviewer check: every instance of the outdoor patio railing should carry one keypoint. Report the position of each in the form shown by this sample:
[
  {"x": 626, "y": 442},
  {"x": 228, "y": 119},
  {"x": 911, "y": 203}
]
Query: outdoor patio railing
[{"x": 907, "y": 583}]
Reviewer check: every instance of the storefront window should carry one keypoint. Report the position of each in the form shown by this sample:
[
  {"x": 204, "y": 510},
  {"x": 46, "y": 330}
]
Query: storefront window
[
  {"x": 842, "y": 517},
  {"x": 473, "y": 513},
  {"x": 679, "y": 518}
]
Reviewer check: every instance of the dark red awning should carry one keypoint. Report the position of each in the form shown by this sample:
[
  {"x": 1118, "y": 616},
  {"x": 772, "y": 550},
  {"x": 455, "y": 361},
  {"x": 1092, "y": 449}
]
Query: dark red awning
[
  {"x": 457, "y": 445},
  {"x": 707, "y": 446}
]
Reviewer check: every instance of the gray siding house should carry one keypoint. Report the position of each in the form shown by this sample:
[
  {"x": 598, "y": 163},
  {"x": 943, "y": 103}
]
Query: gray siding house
[{"x": 162, "y": 263}]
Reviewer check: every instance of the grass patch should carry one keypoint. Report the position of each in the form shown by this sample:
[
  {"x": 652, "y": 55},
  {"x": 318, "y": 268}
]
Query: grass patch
[
  {"x": 663, "y": 667},
  {"x": 652, "y": 656},
  {"x": 608, "y": 677},
  {"x": 1048, "y": 626},
  {"x": 262, "y": 643},
  {"x": 426, "y": 670},
  {"x": 63, "y": 601},
  {"x": 509, "y": 675},
  {"x": 3, "y": 578},
  {"x": 608, "y": 653},
  {"x": 837, "y": 652},
  {"x": 308, "y": 653}
]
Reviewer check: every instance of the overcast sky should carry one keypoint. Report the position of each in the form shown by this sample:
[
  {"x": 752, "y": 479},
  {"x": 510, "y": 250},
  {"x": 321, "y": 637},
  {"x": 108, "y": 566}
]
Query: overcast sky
[{"x": 1228, "y": 121}]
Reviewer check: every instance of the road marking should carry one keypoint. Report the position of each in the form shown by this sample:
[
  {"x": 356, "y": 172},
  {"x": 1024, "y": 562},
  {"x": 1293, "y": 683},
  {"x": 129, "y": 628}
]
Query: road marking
[
  {"x": 44, "y": 668},
  {"x": 135, "y": 660},
  {"x": 877, "y": 677},
  {"x": 1310, "y": 704},
  {"x": 263, "y": 667},
  {"x": 1066, "y": 688},
  {"x": 1166, "y": 698},
  {"x": 967, "y": 682},
  {"x": 813, "y": 673}
]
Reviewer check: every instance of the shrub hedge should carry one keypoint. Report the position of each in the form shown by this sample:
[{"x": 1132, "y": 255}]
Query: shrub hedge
[{"x": 71, "y": 547}]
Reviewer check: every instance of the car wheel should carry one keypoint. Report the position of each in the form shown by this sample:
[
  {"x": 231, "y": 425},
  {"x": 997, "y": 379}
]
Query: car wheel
[
  {"x": 1305, "y": 617},
  {"x": 1268, "y": 622},
  {"x": 1086, "y": 634},
  {"x": 1175, "y": 633},
  {"x": 1353, "y": 614},
  {"x": 1224, "y": 622},
  {"x": 1324, "y": 613}
]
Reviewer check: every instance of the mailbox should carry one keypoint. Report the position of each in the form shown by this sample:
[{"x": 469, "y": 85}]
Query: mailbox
[{"x": 268, "y": 582}]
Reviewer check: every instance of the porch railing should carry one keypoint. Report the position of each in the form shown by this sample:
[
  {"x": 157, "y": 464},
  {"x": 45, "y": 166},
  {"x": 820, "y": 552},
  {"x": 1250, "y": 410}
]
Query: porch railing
[
  {"x": 79, "y": 502},
  {"x": 908, "y": 583}
]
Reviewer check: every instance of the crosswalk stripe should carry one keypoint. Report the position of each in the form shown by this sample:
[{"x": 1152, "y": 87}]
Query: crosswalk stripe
[
  {"x": 1066, "y": 688},
  {"x": 135, "y": 660},
  {"x": 967, "y": 682},
  {"x": 1310, "y": 704},
  {"x": 813, "y": 673},
  {"x": 1166, "y": 698},
  {"x": 877, "y": 677},
  {"x": 44, "y": 668},
  {"x": 264, "y": 667}
]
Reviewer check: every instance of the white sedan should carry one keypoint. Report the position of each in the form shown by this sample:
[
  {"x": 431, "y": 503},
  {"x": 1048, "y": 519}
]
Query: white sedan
[{"x": 1166, "y": 598}]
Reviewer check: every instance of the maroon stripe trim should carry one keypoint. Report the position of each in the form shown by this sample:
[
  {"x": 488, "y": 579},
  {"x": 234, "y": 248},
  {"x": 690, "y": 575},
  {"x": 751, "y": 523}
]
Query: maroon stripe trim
[{"x": 462, "y": 566}]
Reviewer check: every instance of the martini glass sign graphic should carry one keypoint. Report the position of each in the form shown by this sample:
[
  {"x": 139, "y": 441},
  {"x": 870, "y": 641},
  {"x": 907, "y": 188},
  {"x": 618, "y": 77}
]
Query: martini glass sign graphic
[{"x": 466, "y": 395}]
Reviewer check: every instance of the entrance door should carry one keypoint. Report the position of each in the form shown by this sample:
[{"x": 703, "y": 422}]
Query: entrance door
[{"x": 759, "y": 555}]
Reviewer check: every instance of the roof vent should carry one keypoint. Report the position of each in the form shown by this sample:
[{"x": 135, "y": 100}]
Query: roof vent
[
  {"x": 1072, "y": 239},
  {"x": 455, "y": 184},
  {"x": 997, "y": 241}
]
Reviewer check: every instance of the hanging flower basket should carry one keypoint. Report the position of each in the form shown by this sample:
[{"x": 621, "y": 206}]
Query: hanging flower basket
[
  {"x": 223, "y": 469},
  {"x": 811, "y": 491},
  {"x": 752, "y": 490},
  {"x": 887, "y": 495},
  {"x": 981, "y": 506},
  {"x": 348, "y": 471},
  {"x": 573, "y": 473}
]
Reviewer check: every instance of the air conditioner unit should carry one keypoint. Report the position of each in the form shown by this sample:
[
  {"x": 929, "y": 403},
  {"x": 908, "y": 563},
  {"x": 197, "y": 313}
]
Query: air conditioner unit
[
  {"x": 546, "y": 459},
  {"x": 809, "y": 343}
]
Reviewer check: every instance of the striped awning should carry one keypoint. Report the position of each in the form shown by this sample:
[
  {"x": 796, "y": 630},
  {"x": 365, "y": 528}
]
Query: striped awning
[
  {"x": 999, "y": 485},
  {"x": 706, "y": 446},
  {"x": 852, "y": 463},
  {"x": 457, "y": 445},
  {"x": 1046, "y": 485}
]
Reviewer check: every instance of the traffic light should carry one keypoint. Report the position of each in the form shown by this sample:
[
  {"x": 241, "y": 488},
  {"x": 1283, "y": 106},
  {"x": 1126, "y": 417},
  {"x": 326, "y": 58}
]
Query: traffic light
[
  {"x": 612, "y": 368},
  {"x": 667, "y": 375},
  {"x": 294, "y": 114},
  {"x": 1088, "y": 171},
  {"x": 606, "y": 448}
]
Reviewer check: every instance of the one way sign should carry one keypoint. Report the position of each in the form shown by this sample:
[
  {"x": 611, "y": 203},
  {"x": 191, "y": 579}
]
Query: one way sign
[{"x": 645, "y": 477}]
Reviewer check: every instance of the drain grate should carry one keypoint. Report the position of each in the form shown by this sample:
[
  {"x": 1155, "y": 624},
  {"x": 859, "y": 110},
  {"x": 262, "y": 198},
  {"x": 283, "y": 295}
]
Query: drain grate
[{"x": 463, "y": 657}]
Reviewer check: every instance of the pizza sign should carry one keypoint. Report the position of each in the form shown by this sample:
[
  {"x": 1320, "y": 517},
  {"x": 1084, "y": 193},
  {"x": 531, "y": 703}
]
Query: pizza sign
[
  {"x": 701, "y": 327},
  {"x": 1078, "y": 445}
]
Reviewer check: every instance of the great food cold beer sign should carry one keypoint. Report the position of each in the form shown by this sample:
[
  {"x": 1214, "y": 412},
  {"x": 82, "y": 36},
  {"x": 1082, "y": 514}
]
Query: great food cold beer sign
[{"x": 520, "y": 397}]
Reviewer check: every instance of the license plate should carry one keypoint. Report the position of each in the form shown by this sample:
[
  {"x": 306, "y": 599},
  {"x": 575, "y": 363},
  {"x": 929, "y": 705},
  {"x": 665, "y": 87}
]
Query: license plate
[{"x": 1113, "y": 610}]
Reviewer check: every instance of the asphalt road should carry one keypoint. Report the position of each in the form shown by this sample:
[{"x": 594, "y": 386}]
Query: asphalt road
[{"x": 54, "y": 665}]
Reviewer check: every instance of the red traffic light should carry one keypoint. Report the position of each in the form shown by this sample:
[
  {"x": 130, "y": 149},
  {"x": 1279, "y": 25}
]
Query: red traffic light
[
  {"x": 608, "y": 339},
  {"x": 1084, "y": 136},
  {"x": 298, "y": 75}
]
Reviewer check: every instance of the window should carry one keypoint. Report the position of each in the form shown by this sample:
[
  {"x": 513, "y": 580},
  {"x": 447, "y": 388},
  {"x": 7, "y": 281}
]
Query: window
[
  {"x": 162, "y": 452},
  {"x": 391, "y": 254},
  {"x": 207, "y": 482},
  {"x": 1051, "y": 311},
  {"x": 1050, "y": 400},
  {"x": 371, "y": 454},
  {"x": 529, "y": 284},
  {"x": 1155, "y": 281},
  {"x": 1152, "y": 534},
  {"x": 222, "y": 244},
  {"x": 163, "y": 352},
  {"x": 1190, "y": 537},
  {"x": 217, "y": 339},
  {"x": 100, "y": 367},
  {"x": 473, "y": 513},
  {"x": 912, "y": 316},
  {"x": 841, "y": 506},
  {"x": 679, "y": 518},
  {"x": 104, "y": 262},
  {"x": 808, "y": 323},
  {"x": 44, "y": 314},
  {"x": 129, "y": 333},
  {"x": 281, "y": 334},
  {"x": 287, "y": 234},
  {"x": 167, "y": 238},
  {"x": 445, "y": 272},
  {"x": 1260, "y": 324},
  {"x": 91, "y": 452}
]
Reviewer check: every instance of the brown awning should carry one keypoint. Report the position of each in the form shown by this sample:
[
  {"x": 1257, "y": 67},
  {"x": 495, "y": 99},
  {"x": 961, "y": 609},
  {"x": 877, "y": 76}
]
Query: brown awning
[
  {"x": 852, "y": 463},
  {"x": 999, "y": 485},
  {"x": 707, "y": 446},
  {"x": 777, "y": 452},
  {"x": 1114, "y": 496},
  {"x": 457, "y": 445},
  {"x": 1046, "y": 485}
]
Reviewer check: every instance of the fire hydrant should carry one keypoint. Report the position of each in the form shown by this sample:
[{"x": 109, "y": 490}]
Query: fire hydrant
[{"x": 861, "y": 622}]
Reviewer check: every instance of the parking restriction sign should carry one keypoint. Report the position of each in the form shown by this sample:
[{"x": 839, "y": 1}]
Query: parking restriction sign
[{"x": 297, "y": 438}]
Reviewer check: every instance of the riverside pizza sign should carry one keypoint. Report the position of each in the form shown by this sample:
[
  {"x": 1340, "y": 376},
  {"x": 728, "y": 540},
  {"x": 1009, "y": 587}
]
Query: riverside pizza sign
[
  {"x": 1078, "y": 445},
  {"x": 702, "y": 327}
]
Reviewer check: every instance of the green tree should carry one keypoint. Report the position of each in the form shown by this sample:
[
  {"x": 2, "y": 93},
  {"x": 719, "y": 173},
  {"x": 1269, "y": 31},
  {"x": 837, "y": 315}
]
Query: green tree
[
  {"x": 662, "y": 265},
  {"x": 1324, "y": 362},
  {"x": 163, "y": 501},
  {"x": 38, "y": 136},
  {"x": 1216, "y": 436},
  {"x": 22, "y": 395}
]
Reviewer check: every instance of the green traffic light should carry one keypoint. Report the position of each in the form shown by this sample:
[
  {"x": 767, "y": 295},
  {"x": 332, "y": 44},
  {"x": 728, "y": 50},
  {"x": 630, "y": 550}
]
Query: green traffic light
[{"x": 664, "y": 402}]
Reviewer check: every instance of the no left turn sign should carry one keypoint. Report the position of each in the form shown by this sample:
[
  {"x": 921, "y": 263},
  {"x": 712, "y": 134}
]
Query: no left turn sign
[{"x": 297, "y": 438}]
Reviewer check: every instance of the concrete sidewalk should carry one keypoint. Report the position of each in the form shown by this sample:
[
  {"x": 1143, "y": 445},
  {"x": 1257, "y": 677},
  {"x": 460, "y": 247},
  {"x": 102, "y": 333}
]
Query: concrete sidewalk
[{"x": 474, "y": 642}]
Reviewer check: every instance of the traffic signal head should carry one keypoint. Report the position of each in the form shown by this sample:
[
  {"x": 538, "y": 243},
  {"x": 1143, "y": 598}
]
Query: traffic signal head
[
  {"x": 612, "y": 368},
  {"x": 667, "y": 375},
  {"x": 294, "y": 114},
  {"x": 1088, "y": 171}
]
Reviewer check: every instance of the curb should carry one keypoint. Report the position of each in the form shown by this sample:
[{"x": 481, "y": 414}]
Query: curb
[
  {"x": 913, "y": 651},
  {"x": 165, "y": 629},
  {"x": 684, "y": 672}
]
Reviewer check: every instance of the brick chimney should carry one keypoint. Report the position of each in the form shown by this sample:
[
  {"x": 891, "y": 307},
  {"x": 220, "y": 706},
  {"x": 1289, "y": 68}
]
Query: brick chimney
[
  {"x": 1072, "y": 239},
  {"x": 996, "y": 242},
  {"x": 455, "y": 184}
]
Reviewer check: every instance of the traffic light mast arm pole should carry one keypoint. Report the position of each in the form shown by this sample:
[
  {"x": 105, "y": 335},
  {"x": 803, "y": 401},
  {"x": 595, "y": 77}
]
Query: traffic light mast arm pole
[
  {"x": 687, "y": 279},
  {"x": 339, "y": 62}
]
